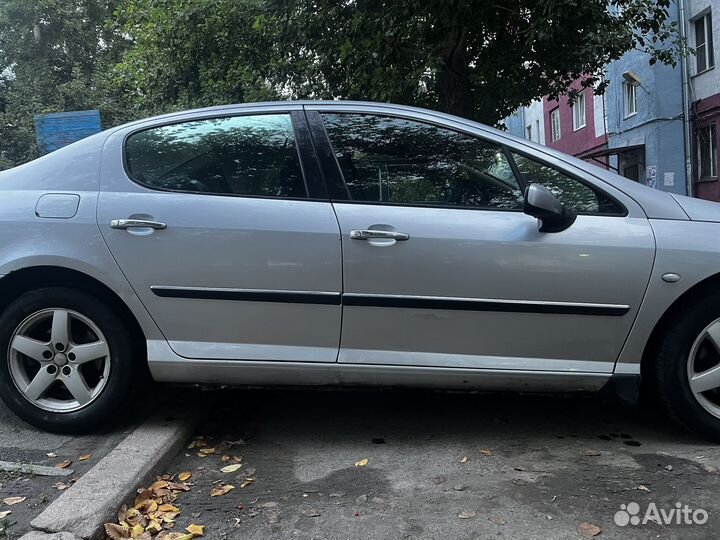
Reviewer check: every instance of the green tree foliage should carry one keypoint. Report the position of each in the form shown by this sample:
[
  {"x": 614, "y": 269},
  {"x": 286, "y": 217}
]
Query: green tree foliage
[
  {"x": 55, "y": 55},
  {"x": 478, "y": 59}
]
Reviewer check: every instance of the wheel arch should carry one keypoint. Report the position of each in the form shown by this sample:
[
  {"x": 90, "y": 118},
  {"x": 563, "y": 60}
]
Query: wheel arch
[
  {"x": 20, "y": 281},
  {"x": 678, "y": 306}
]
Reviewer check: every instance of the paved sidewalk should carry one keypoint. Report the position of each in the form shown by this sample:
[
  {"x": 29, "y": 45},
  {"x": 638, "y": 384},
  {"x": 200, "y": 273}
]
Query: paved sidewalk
[
  {"x": 20, "y": 442},
  {"x": 536, "y": 467}
]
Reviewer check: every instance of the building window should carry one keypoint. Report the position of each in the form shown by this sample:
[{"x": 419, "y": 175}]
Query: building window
[
  {"x": 704, "y": 54},
  {"x": 528, "y": 132},
  {"x": 630, "y": 93},
  {"x": 707, "y": 151},
  {"x": 579, "y": 112},
  {"x": 537, "y": 130},
  {"x": 555, "y": 124}
]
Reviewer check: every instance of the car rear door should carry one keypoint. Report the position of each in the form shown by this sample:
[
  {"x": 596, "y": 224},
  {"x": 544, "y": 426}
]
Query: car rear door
[
  {"x": 223, "y": 228},
  {"x": 442, "y": 267}
]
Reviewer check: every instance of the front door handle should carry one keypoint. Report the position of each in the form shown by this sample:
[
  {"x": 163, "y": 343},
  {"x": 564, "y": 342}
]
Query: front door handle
[
  {"x": 130, "y": 223},
  {"x": 366, "y": 234}
]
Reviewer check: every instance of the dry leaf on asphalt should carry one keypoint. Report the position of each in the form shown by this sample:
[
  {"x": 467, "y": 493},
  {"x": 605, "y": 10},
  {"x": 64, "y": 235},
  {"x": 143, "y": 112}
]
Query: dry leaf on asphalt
[
  {"x": 237, "y": 458},
  {"x": 247, "y": 482},
  {"x": 467, "y": 514},
  {"x": 5, "y": 514},
  {"x": 464, "y": 459},
  {"x": 591, "y": 452},
  {"x": 184, "y": 476},
  {"x": 231, "y": 468},
  {"x": 51, "y": 454},
  {"x": 588, "y": 530},
  {"x": 207, "y": 451},
  {"x": 643, "y": 488},
  {"x": 160, "y": 484},
  {"x": 13, "y": 500},
  {"x": 196, "y": 530},
  {"x": 311, "y": 513},
  {"x": 60, "y": 486},
  {"x": 84, "y": 457},
  {"x": 221, "y": 490},
  {"x": 116, "y": 532},
  {"x": 362, "y": 462},
  {"x": 486, "y": 452},
  {"x": 64, "y": 465}
]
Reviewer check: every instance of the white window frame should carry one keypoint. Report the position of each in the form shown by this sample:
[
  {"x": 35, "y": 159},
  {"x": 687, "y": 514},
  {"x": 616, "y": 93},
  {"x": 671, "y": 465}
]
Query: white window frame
[
  {"x": 579, "y": 112},
  {"x": 630, "y": 99},
  {"x": 711, "y": 141},
  {"x": 704, "y": 51},
  {"x": 555, "y": 129}
]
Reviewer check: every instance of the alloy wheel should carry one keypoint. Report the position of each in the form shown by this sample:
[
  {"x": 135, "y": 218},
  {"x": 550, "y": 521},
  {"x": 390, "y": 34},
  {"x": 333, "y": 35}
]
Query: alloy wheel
[
  {"x": 59, "y": 360},
  {"x": 704, "y": 368}
]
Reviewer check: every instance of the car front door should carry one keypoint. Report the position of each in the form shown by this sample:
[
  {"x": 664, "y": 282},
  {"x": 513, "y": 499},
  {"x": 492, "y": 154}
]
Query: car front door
[
  {"x": 443, "y": 268},
  {"x": 224, "y": 230}
]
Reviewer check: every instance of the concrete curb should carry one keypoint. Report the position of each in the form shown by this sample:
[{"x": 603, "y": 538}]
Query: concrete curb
[{"x": 95, "y": 498}]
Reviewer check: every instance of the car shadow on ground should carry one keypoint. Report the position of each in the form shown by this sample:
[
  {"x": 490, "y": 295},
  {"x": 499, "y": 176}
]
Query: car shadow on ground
[{"x": 523, "y": 466}]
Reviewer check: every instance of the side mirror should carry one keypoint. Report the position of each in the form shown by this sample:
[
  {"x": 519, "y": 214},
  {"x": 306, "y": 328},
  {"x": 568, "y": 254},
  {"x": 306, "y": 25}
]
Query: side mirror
[{"x": 540, "y": 203}]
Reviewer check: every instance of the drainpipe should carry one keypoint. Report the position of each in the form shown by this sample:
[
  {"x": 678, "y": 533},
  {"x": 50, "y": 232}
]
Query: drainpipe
[{"x": 685, "y": 74}]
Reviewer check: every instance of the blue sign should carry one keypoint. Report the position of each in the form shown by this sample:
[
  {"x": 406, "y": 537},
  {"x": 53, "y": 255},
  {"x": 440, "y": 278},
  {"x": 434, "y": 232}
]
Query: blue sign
[{"x": 56, "y": 130}]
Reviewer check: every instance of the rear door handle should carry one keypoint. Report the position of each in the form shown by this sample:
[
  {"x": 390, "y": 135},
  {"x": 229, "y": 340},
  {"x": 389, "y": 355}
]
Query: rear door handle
[
  {"x": 130, "y": 223},
  {"x": 365, "y": 234}
]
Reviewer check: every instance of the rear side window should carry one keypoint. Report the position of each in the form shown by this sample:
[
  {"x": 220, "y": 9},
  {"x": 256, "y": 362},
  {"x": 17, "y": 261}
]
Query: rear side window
[{"x": 242, "y": 155}]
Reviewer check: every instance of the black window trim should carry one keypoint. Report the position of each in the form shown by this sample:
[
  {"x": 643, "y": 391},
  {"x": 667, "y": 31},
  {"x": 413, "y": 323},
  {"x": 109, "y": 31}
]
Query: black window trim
[
  {"x": 306, "y": 165},
  {"x": 333, "y": 172}
]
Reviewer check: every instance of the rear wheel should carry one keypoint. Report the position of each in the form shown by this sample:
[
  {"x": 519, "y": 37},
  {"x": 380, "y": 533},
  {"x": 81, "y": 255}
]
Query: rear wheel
[
  {"x": 687, "y": 368},
  {"x": 67, "y": 359}
]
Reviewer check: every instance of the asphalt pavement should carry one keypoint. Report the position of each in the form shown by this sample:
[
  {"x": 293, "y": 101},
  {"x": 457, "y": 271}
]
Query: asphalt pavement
[{"x": 443, "y": 465}]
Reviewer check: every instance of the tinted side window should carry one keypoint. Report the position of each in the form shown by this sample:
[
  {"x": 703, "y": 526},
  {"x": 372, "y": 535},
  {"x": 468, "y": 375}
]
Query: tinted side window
[
  {"x": 243, "y": 155},
  {"x": 394, "y": 160},
  {"x": 571, "y": 192}
]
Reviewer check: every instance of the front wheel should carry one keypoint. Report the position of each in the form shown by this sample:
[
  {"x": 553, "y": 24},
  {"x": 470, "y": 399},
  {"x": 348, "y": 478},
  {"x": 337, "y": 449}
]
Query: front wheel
[
  {"x": 687, "y": 368},
  {"x": 67, "y": 359}
]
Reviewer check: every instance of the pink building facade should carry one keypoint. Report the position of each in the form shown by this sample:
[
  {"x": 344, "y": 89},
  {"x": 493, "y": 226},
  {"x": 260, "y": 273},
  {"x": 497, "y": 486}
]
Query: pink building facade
[{"x": 578, "y": 130}]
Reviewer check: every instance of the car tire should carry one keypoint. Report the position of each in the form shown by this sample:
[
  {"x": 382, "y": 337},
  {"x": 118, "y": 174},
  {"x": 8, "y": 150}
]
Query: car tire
[
  {"x": 80, "y": 392},
  {"x": 683, "y": 350}
]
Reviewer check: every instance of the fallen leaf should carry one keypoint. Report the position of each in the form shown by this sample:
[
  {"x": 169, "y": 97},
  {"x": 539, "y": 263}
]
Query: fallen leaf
[
  {"x": 235, "y": 443},
  {"x": 5, "y": 514},
  {"x": 60, "y": 486},
  {"x": 51, "y": 454},
  {"x": 711, "y": 468},
  {"x": 154, "y": 526},
  {"x": 519, "y": 468},
  {"x": 207, "y": 451},
  {"x": 196, "y": 530},
  {"x": 643, "y": 488},
  {"x": 464, "y": 459},
  {"x": 460, "y": 487},
  {"x": 64, "y": 465},
  {"x": 168, "y": 508},
  {"x": 311, "y": 513},
  {"x": 221, "y": 490},
  {"x": 588, "y": 530},
  {"x": 160, "y": 484},
  {"x": 136, "y": 531},
  {"x": 362, "y": 462},
  {"x": 184, "y": 476},
  {"x": 486, "y": 452},
  {"x": 237, "y": 458},
  {"x": 591, "y": 452},
  {"x": 231, "y": 468},
  {"x": 178, "y": 486},
  {"x": 84, "y": 457},
  {"x": 116, "y": 532},
  {"x": 467, "y": 514},
  {"x": 225, "y": 458},
  {"x": 13, "y": 500},
  {"x": 247, "y": 482}
]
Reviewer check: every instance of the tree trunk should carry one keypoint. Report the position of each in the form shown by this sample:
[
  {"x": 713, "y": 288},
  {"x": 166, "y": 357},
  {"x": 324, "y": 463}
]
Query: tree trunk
[{"x": 453, "y": 87}]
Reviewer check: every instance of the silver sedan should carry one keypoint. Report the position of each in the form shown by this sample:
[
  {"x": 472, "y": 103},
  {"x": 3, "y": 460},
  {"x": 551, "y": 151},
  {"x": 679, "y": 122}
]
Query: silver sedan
[{"x": 333, "y": 243}]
